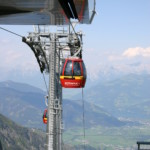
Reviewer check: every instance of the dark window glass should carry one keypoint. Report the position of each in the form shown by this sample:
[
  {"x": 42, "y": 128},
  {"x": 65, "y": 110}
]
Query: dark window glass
[
  {"x": 84, "y": 70},
  {"x": 68, "y": 68},
  {"x": 76, "y": 69}
]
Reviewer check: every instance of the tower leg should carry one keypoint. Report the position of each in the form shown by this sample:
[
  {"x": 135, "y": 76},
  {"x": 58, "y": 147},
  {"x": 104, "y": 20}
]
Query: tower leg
[
  {"x": 59, "y": 102},
  {"x": 54, "y": 122},
  {"x": 51, "y": 135}
]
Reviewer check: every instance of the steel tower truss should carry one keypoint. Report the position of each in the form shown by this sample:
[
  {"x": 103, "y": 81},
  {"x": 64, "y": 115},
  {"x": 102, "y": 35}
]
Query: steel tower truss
[{"x": 50, "y": 49}]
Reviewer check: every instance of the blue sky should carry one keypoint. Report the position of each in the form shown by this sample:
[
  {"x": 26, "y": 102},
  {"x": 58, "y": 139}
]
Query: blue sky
[
  {"x": 121, "y": 26},
  {"x": 118, "y": 38}
]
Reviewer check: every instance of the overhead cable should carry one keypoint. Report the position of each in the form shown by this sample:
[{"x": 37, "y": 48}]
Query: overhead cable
[
  {"x": 24, "y": 38},
  {"x": 83, "y": 108},
  {"x": 11, "y": 32}
]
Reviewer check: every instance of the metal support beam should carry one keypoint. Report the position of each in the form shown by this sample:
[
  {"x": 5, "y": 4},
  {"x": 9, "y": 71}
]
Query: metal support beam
[
  {"x": 139, "y": 143},
  {"x": 54, "y": 123},
  {"x": 59, "y": 97},
  {"x": 51, "y": 135}
]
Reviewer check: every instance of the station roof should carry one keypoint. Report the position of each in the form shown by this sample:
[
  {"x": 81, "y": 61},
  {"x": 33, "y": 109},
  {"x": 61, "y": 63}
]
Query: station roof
[{"x": 45, "y": 12}]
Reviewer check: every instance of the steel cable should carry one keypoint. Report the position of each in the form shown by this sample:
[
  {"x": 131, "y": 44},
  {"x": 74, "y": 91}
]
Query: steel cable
[{"x": 83, "y": 117}]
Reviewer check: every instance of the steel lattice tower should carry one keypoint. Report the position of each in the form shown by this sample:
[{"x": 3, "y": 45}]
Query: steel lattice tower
[{"x": 48, "y": 48}]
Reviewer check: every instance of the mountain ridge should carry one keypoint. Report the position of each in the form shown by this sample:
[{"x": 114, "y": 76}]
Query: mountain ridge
[
  {"x": 22, "y": 87},
  {"x": 119, "y": 95},
  {"x": 26, "y": 108},
  {"x": 15, "y": 137}
]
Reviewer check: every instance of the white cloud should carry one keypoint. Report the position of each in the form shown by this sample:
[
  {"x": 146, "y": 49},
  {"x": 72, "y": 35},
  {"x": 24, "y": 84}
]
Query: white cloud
[
  {"x": 115, "y": 57},
  {"x": 14, "y": 60},
  {"x": 134, "y": 53},
  {"x": 125, "y": 68},
  {"x": 111, "y": 63},
  {"x": 137, "y": 51}
]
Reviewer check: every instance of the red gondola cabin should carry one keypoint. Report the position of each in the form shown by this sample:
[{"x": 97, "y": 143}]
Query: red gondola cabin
[
  {"x": 73, "y": 73},
  {"x": 45, "y": 116}
]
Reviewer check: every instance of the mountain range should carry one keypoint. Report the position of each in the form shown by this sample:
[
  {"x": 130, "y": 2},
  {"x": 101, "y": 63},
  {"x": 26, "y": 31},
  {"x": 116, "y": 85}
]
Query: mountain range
[
  {"x": 128, "y": 96},
  {"x": 93, "y": 115},
  {"x": 26, "y": 108}
]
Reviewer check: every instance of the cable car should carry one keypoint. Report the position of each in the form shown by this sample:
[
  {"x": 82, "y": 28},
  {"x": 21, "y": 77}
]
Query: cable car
[
  {"x": 73, "y": 73},
  {"x": 45, "y": 116}
]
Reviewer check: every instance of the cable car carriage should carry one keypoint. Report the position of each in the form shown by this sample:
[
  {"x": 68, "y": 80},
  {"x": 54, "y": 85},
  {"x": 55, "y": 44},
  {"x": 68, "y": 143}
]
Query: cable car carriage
[
  {"x": 45, "y": 116},
  {"x": 73, "y": 73}
]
